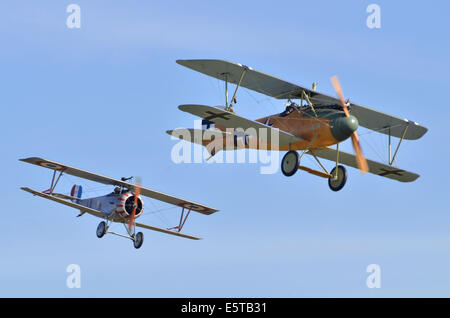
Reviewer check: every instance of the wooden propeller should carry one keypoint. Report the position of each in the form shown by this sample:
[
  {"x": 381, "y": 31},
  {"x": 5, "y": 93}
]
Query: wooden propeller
[
  {"x": 360, "y": 159},
  {"x": 137, "y": 192}
]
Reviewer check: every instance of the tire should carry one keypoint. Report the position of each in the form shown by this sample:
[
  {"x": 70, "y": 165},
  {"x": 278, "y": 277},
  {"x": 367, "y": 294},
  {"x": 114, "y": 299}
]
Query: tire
[
  {"x": 138, "y": 240},
  {"x": 289, "y": 164},
  {"x": 101, "y": 229},
  {"x": 337, "y": 184}
]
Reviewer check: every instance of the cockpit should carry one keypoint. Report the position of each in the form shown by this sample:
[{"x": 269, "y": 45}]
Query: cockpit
[
  {"x": 305, "y": 108},
  {"x": 117, "y": 191},
  {"x": 289, "y": 109}
]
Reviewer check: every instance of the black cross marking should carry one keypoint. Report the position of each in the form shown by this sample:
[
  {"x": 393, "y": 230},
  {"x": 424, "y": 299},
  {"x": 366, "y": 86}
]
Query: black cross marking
[
  {"x": 214, "y": 115},
  {"x": 387, "y": 172}
]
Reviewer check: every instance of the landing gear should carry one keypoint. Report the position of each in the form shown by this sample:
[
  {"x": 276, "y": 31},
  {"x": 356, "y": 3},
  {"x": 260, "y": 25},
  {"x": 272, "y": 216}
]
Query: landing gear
[
  {"x": 338, "y": 178},
  {"x": 101, "y": 229},
  {"x": 289, "y": 164},
  {"x": 138, "y": 240}
]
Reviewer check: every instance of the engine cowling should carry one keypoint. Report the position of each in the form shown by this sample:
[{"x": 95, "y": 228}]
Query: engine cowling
[{"x": 125, "y": 205}]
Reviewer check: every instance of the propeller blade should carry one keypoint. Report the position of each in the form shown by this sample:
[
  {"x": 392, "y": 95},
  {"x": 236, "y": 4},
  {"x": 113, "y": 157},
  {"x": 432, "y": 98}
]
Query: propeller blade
[
  {"x": 137, "y": 192},
  {"x": 360, "y": 159},
  {"x": 338, "y": 89}
]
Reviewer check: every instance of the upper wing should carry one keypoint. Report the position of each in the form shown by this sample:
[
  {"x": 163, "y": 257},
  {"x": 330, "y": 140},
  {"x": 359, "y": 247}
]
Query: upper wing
[
  {"x": 374, "y": 167},
  {"x": 278, "y": 88},
  {"x": 110, "y": 181},
  {"x": 254, "y": 80},
  {"x": 387, "y": 124},
  {"x": 230, "y": 120},
  {"x": 76, "y": 172},
  {"x": 200, "y": 208},
  {"x": 101, "y": 215}
]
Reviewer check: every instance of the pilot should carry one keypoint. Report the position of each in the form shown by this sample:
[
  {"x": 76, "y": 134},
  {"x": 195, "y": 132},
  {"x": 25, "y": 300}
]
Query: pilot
[{"x": 289, "y": 109}]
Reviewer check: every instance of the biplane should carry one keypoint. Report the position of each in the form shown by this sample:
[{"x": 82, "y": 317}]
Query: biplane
[
  {"x": 123, "y": 205},
  {"x": 312, "y": 125}
]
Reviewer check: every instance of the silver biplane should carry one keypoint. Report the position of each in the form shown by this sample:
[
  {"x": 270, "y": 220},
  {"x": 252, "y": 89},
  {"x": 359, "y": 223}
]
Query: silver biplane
[{"x": 123, "y": 205}]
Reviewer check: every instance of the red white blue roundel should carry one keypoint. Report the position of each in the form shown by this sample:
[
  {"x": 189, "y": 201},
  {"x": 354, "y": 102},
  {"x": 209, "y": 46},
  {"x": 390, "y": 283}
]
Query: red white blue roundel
[
  {"x": 191, "y": 206},
  {"x": 50, "y": 165}
]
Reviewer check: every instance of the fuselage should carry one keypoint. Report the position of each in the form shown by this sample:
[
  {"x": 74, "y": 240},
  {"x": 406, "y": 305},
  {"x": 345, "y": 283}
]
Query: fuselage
[
  {"x": 322, "y": 127},
  {"x": 118, "y": 204}
]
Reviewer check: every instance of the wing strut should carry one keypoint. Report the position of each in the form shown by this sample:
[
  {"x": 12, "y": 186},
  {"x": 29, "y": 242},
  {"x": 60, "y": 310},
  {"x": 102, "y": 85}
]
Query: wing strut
[
  {"x": 226, "y": 90},
  {"x": 398, "y": 146},
  {"x": 306, "y": 97},
  {"x": 53, "y": 183},
  {"x": 233, "y": 100},
  {"x": 183, "y": 220}
]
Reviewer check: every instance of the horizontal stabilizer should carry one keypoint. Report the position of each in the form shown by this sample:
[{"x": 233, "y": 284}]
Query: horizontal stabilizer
[{"x": 66, "y": 197}]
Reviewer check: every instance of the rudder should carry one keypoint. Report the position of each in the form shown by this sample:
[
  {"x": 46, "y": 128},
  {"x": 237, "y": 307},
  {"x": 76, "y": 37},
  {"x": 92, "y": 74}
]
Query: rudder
[{"x": 76, "y": 192}]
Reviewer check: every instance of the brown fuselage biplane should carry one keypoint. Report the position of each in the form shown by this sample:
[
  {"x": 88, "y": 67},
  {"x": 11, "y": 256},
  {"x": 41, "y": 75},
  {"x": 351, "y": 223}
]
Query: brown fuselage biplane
[{"x": 317, "y": 122}]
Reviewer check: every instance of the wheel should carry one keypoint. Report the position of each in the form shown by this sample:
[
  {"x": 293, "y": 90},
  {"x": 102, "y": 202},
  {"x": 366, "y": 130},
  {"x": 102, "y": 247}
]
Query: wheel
[
  {"x": 138, "y": 240},
  {"x": 337, "y": 183},
  {"x": 101, "y": 229},
  {"x": 289, "y": 164}
]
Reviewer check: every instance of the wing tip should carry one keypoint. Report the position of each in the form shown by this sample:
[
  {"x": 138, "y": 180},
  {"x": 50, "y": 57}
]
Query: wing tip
[
  {"x": 31, "y": 159},
  {"x": 27, "y": 159}
]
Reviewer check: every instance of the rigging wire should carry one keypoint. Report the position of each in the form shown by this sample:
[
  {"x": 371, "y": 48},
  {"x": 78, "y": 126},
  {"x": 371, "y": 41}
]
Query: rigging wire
[
  {"x": 160, "y": 216},
  {"x": 156, "y": 210}
]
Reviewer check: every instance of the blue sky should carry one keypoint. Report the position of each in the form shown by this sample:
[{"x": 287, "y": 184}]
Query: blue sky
[{"x": 101, "y": 98}]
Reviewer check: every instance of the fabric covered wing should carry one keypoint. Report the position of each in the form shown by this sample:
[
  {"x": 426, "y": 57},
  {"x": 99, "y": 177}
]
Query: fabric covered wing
[
  {"x": 230, "y": 120},
  {"x": 110, "y": 181},
  {"x": 101, "y": 215},
  {"x": 74, "y": 171},
  {"x": 200, "y": 208},
  {"x": 278, "y": 88},
  {"x": 257, "y": 81},
  {"x": 387, "y": 124},
  {"x": 193, "y": 135},
  {"x": 157, "y": 229},
  {"x": 65, "y": 202},
  {"x": 374, "y": 167}
]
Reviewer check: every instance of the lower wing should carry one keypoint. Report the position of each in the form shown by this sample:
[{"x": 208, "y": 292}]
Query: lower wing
[
  {"x": 253, "y": 128},
  {"x": 65, "y": 202},
  {"x": 374, "y": 167},
  {"x": 102, "y": 215}
]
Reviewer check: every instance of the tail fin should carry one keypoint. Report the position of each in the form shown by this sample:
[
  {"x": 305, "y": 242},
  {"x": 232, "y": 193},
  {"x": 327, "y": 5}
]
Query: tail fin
[{"x": 76, "y": 192}]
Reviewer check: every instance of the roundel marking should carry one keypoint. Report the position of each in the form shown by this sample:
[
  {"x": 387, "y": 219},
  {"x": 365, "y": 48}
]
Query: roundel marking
[
  {"x": 50, "y": 165},
  {"x": 191, "y": 206}
]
